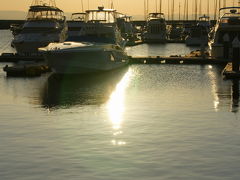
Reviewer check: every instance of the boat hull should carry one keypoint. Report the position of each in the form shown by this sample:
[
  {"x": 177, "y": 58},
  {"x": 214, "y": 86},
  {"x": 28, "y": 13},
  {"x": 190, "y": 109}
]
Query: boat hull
[
  {"x": 85, "y": 61},
  {"x": 196, "y": 41}
]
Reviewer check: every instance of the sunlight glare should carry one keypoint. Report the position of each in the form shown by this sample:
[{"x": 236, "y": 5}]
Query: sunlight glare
[{"x": 115, "y": 105}]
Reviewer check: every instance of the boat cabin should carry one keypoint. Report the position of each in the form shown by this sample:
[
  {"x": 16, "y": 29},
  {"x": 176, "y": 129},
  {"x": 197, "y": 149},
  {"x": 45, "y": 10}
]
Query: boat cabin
[
  {"x": 101, "y": 15},
  {"x": 78, "y": 17},
  {"x": 44, "y": 12}
]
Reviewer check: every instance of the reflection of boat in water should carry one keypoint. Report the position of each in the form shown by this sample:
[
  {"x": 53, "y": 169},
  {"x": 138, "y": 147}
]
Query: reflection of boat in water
[
  {"x": 101, "y": 47},
  {"x": 226, "y": 30},
  {"x": 68, "y": 90},
  {"x": 44, "y": 24}
]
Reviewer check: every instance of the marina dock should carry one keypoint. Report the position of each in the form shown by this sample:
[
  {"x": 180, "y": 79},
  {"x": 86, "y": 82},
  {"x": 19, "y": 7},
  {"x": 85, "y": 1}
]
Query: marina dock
[
  {"x": 176, "y": 60},
  {"x": 10, "y": 57}
]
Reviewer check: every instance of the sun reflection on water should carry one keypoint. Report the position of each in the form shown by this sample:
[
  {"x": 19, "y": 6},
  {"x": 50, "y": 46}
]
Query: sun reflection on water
[
  {"x": 216, "y": 100},
  {"x": 116, "y": 106}
]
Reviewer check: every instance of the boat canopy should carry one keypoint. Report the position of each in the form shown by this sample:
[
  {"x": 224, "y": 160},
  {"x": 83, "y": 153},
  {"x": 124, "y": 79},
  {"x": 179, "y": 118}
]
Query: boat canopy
[
  {"x": 101, "y": 15},
  {"x": 45, "y": 12},
  {"x": 231, "y": 18}
]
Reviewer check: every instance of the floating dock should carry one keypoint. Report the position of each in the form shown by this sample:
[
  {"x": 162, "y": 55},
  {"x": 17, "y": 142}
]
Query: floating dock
[
  {"x": 176, "y": 60},
  {"x": 26, "y": 70},
  {"x": 12, "y": 57}
]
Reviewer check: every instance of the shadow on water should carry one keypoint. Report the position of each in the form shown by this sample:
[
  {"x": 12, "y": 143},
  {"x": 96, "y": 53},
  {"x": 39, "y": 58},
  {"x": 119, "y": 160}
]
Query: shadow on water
[{"x": 62, "y": 91}]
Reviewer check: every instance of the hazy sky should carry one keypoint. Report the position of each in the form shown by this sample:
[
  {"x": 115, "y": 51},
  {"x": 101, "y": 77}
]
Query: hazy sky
[{"x": 131, "y": 7}]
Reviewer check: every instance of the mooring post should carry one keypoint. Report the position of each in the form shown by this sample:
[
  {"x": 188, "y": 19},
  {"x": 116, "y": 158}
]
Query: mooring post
[
  {"x": 235, "y": 59},
  {"x": 202, "y": 50},
  {"x": 226, "y": 40}
]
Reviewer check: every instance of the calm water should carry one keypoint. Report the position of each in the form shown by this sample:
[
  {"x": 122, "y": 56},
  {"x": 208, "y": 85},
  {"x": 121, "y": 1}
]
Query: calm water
[{"x": 144, "y": 122}]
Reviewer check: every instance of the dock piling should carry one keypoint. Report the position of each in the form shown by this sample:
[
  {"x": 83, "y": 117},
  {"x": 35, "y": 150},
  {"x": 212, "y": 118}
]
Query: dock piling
[{"x": 236, "y": 54}]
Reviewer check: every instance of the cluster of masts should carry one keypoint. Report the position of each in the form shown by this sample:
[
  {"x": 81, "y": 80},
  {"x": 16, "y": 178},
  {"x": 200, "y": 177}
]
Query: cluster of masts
[
  {"x": 184, "y": 8},
  {"x": 188, "y": 9}
]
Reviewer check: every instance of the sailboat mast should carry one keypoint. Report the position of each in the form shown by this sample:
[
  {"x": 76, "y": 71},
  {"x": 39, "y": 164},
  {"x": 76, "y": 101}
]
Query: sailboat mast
[
  {"x": 200, "y": 7},
  {"x": 196, "y": 9},
  {"x": 160, "y": 6},
  {"x": 82, "y": 5},
  {"x": 173, "y": 7},
  {"x": 208, "y": 13},
  {"x": 147, "y": 6},
  {"x": 168, "y": 10},
  {"x": 156, "y": 5},
  {"x": 215, "y": 9},
  {"x": 179, "y": 11},
  {"x": 219, "y": 5}
]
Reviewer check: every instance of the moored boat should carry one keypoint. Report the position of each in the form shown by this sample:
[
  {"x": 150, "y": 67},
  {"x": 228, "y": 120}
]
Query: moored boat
[
  {"x": 156, "y": 31},
  {"x": 225, "y": 31},
  {"x": 44, "y": 24},
  {"x": 101, "y": 47}
]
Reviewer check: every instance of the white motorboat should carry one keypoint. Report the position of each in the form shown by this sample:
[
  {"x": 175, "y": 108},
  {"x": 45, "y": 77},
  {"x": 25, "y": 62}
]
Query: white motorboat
[
  {"x": 44, "y": 24},
  {"x": 198, "y": 34},
  {"x": 225, "y": 31},
  {"x": 156, "y": 30},
  {"x": 101, "y": 47},
  {"x": 75, "y": 26}
]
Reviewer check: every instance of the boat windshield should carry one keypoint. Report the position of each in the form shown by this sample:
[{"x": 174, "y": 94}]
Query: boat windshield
[
  {"x": 156, "y": 15},
  {"x": 45, "y": 12},
  {"x": 78, "y": 17},
  {"x": 102, "y": 15}
]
